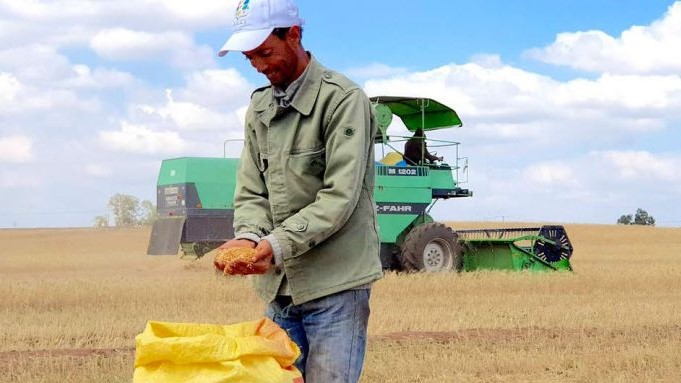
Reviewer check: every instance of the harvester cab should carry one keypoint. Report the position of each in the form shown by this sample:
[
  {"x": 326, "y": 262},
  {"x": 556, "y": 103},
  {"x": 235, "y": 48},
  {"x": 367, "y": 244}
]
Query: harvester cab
[{"x": 195, "y": 204}]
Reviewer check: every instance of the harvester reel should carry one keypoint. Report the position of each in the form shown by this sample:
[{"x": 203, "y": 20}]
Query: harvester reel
[
  {"x": 549, "y": 252},
  {"x": 431, "y": 247}
]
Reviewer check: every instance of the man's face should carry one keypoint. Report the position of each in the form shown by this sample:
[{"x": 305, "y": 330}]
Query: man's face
[{"x": 276, "y": 59}]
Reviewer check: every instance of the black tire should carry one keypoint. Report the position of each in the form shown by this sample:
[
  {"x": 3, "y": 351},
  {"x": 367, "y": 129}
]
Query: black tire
[{"x": 431, "y": 247}]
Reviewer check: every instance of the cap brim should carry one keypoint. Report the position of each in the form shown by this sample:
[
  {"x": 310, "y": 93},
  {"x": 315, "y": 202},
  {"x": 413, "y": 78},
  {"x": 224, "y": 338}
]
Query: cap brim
[{"x": 245, "y": 40}]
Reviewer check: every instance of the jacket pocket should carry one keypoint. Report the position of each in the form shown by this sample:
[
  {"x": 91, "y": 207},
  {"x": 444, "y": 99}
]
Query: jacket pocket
[{"x": 308, "y": 161}]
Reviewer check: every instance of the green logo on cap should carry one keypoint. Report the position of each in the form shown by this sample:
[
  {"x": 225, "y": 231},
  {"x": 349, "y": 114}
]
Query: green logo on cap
[{"x": 242, "y": 8}]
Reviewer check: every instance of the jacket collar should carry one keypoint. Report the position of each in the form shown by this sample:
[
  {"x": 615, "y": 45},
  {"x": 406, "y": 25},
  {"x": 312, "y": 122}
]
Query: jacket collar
[{"x": 305, "y": 97}]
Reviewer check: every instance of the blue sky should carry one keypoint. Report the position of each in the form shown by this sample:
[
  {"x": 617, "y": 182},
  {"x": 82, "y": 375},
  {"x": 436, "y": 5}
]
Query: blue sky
[{"x": 571, "y": 109}]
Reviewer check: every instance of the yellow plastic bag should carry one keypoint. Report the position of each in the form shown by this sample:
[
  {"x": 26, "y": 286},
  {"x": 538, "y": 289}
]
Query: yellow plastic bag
[
  {"x": 391, "y": 159},
  {"x": 258, "y": 351}
]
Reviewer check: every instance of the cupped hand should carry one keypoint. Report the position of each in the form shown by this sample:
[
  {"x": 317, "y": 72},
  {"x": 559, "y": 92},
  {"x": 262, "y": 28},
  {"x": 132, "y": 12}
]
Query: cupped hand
[
  {"x": 263, "y": 261},
  {"x": 228, "y": 245}
]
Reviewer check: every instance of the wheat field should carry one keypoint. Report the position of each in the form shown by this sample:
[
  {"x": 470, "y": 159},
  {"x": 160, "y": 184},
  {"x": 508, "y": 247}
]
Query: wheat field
[{"x": 72, "y": 301}]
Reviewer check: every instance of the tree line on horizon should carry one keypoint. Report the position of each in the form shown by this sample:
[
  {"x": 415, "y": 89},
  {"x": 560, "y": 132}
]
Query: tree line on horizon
[
  {"x": 641, "y": 217},
  {"x": 127, "y": 211}
]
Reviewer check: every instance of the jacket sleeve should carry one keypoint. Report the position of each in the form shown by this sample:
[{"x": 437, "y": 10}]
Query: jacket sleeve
[
  {"x": 252, "y": 215},
  {"x": 349, "y": 141}
]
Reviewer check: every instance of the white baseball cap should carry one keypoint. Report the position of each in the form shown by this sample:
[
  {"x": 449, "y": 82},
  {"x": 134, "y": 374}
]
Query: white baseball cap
[{"x": 256, "y": 19}]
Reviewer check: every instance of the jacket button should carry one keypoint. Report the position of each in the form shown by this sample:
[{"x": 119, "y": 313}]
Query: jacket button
[
  {"x": 277, "y": 271},
  {"x": 327, "y": 75},
  {"x": 301, "y": 226}
]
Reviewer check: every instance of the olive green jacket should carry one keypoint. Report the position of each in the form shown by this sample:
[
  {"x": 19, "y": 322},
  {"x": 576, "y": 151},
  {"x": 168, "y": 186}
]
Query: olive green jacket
[{"x": 306, "y": 177}]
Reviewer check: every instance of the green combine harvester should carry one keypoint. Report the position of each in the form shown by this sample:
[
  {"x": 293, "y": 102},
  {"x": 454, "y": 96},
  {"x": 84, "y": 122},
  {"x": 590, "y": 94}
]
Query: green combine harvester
[{"x": 195, "y": 206}]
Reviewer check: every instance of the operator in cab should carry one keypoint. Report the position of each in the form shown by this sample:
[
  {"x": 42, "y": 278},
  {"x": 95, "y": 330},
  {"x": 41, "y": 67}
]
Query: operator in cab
[{"x": 416, "y": 150}]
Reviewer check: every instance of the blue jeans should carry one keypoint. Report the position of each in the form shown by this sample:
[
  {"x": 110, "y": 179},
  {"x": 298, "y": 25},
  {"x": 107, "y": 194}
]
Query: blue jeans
[{"x": 331, "y": 332}]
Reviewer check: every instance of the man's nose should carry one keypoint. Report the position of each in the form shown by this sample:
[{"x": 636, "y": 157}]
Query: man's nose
[{"x": 259, "y": 64}]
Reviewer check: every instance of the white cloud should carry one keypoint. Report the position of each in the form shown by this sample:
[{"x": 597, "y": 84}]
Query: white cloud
[
  {"x": 16, "y": 149},
  {"x": 196, "y": 13},
  {"x": 373, "y": 70},
  {"x": 653, "y": 49},
  {"x": 211, "y": 105},
  {"x": 142, "y": 140},
  {"x": 162, "y": 30},
  {"x": 9, "y": 88},
  {"x": 206, "y": 12},
  {"x": 31, "y": 99},
  {"x": 99, "y": 78},
  {"x": 45, "y": 64},
  {"x": 185, "y": 115},
  {"x": 628, "y": 92},
  {"x": 188, "y": 115},
  {"x": 510, "y": 103},
  {"x": 491, "y": 93},
  {"x": 217, "y": 88},
  {"x": 643, "y": 165},
  {"x": 551, "y": 174},
  {"x": 487, "y": 60},
  {"x": 17, "y": 180},
  {"x": 49, "y": 83},
  {"x": 97, "y": 170},
  {"x": 126, "y": 44}
]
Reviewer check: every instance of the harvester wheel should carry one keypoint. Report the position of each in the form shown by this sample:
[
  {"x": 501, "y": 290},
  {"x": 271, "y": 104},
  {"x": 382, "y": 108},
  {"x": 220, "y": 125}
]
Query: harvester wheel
[{"x": 431, "y": 247}]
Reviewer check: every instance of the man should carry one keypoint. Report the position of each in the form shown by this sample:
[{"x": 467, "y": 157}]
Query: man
[
  {"x": 416, "y": 150},
  {"x": 304, "y": 194}
]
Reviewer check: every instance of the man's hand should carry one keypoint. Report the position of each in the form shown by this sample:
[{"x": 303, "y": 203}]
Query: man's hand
[
  {"x": 263, "y": 261},
  {"x": 230, "y": 244}
]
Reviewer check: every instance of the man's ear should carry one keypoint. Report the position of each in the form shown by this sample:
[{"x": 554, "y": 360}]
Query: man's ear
[{"x": 293, "y": 36}]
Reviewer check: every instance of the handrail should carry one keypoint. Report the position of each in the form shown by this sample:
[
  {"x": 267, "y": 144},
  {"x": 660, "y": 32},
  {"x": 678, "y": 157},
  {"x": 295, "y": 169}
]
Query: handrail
[{"x": 439, "y": 144}]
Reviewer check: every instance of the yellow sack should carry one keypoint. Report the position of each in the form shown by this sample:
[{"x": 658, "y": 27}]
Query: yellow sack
[
  {"x": 391, "y": 159},
  {"x": 257, "y": 351}
]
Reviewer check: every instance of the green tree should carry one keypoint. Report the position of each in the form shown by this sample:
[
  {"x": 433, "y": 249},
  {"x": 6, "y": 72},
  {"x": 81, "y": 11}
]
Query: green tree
[
  {"x": 643, "y": 218},
  {"x": 147, "y": 213},
  {"x": 125, "y": 209},
  {"x": 626, "y": 220},
  {"x": 640, "y": 218}
]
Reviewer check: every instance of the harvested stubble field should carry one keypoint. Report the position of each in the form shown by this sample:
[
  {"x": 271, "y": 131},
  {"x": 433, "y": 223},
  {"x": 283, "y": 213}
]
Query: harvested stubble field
[{"x": 73, "y": 301}]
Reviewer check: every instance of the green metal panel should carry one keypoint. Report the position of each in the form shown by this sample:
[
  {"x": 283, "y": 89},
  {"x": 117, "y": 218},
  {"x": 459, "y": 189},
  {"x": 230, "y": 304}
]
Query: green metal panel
[
  {"x": 442, "y": 178},
  {"x": 488, "y": 256},
  {"x": 506, "y": 254},
  {"x": 403, "y": 176},
  {"x": 391, "y": 226},
  {"x": 495, "y": 255},
  {"x": 214, "y": 178},
  {"x": 401, "y": 194}
]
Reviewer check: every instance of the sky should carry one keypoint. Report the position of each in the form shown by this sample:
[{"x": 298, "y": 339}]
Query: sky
[{"x": 571, "y": 109}]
